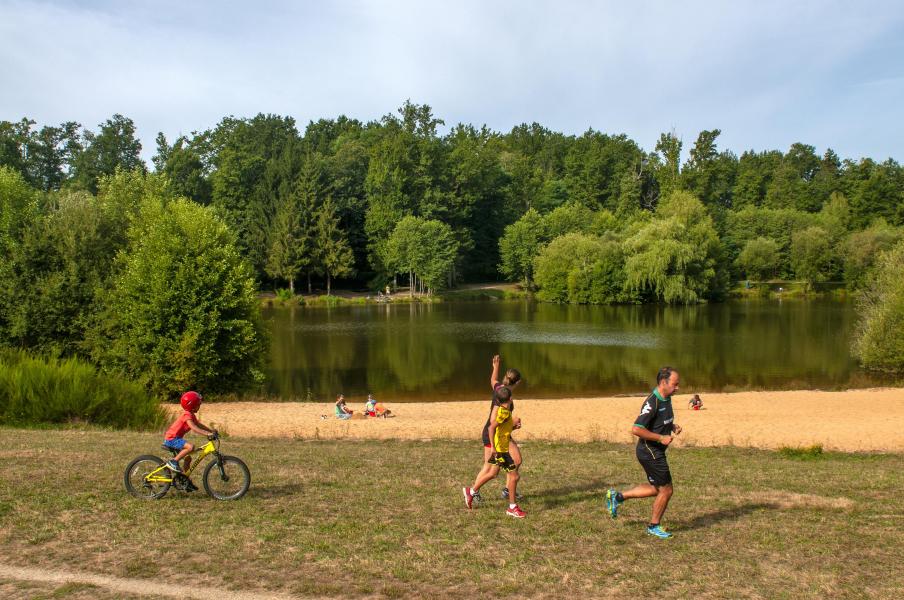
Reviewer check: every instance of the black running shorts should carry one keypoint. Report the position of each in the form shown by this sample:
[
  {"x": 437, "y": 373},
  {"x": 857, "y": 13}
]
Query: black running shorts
[
  {"x": 655, "y": 466},
  {"x": 503, "y": 460}
]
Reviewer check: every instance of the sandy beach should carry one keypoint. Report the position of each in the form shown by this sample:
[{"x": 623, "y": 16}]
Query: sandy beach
[{"x": 854, "y": 420}]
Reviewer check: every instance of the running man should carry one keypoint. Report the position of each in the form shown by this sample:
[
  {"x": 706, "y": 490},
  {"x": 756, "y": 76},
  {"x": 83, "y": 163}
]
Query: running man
[{"x": 654, "y": 428}]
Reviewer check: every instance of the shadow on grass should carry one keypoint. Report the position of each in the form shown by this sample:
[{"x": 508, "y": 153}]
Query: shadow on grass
[
  {"x": 276, "y": 491},
  {"x": 725, "y": 514},
  {"x": 591, "y": 490}
]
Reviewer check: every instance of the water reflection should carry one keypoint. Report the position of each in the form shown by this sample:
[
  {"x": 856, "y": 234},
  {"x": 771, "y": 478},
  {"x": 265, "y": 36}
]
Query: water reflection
[{"x": 442, "y": 351}]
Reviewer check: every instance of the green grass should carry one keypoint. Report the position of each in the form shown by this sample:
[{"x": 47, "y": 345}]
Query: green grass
[
  {"x": 37, "y": 391},
  {"x": 386, "y": 519}
]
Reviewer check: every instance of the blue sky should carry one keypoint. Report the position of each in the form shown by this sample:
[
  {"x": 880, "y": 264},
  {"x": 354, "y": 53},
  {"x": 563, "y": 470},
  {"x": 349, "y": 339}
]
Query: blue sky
[{"x": 766, "y": 73}]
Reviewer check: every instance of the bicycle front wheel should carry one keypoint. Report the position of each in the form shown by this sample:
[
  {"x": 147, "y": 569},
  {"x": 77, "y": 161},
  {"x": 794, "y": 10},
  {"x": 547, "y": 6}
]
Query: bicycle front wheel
[
  {"x": 227, "y": 478},
  {"x": 140, "y": 484}
]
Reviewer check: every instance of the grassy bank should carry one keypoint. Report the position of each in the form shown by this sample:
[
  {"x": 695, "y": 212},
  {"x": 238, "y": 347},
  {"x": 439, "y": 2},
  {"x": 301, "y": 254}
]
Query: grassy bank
[
  {"x": 37, "y": 391},
  {"x": 386, "y": 519}
]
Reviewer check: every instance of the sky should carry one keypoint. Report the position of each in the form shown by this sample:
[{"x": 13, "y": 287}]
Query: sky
[{"x": 766, "y": 73}]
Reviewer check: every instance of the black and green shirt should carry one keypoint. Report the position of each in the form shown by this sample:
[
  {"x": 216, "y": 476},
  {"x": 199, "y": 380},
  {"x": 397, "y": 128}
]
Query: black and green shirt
[{"x": 656, "y": 415}]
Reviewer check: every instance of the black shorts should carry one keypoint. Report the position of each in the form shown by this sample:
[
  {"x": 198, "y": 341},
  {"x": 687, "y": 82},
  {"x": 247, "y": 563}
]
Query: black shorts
[
  {"x": 655, "y": 466},
  {"x": 503, "y": 460}
]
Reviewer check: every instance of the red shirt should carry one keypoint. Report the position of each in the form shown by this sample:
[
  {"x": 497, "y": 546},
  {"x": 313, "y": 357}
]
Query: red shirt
[{"x": 180, "y": 427}]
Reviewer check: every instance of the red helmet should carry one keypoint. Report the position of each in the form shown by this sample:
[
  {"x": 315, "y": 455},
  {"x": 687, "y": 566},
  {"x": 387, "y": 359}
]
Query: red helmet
[{"x": 191, "y": 401}]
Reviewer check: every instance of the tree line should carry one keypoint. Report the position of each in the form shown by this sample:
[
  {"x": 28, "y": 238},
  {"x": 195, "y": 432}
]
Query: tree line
[
  {"x": 103, "y": 246},
  {"x": 336, "y": 201}
]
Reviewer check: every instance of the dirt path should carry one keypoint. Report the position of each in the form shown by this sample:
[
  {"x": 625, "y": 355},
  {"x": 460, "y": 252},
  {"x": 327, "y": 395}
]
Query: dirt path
[
  {"x": 139, "y": 587},
  {"x": 854, "y": 420}
]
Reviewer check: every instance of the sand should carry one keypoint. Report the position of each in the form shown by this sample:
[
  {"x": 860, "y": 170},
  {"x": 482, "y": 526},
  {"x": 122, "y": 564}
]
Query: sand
[{"x": 854, "y": 420}]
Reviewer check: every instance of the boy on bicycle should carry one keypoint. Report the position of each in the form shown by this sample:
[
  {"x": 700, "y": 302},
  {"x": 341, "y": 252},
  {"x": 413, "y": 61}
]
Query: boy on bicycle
[{"x": 174, "y": 438}]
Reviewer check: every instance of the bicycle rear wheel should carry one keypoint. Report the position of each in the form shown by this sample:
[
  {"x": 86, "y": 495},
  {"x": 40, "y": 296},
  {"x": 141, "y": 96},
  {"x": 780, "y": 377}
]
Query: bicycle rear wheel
[
  {"x": 230, "y": 483},
  {"x": 136, "y": 482}
]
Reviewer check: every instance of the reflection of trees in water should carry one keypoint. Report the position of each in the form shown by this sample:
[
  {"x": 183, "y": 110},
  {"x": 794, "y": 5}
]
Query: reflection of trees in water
[
  {"x": 415, "y": 357},
  {"x": 441, "y": 350},
  {"x": 302, "y": 361}
]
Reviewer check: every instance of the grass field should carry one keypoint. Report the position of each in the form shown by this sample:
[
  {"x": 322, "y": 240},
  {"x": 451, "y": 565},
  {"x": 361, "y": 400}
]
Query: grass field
[{"x": 386, "y": 519}]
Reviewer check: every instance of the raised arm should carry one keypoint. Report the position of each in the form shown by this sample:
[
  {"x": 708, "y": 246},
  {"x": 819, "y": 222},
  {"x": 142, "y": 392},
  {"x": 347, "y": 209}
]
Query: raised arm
[{"x": 494, "y": 378}]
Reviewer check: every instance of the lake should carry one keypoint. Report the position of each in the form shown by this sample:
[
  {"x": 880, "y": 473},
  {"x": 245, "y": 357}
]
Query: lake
[{"x": 431, "y": 352}]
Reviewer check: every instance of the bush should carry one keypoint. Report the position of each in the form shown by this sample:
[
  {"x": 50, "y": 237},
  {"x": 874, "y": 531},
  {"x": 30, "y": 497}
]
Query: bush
[
  {"x": 36, "y": 391},
  {"x": 182, "y": 311},
  {"x": 879, "y": 341}
]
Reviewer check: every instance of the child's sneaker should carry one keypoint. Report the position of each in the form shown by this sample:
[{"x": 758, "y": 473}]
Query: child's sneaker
[
  {"x": 515, "y": 512},
  {"x": 657, "y": 531},
  {"x": 173, "y": 466},
  {"x": 505, "y": 495},
  {"x": 469, "y": 497}
]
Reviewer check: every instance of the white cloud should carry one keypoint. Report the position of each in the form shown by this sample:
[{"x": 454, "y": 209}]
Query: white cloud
[{"x": 766, "y": 73}]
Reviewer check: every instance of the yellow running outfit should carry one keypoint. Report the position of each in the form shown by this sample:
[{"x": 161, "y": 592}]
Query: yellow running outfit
[{"x": 504, "y": 425}]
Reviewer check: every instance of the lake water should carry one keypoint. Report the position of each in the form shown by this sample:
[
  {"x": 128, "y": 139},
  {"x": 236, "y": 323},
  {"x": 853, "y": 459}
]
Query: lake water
[{"x": 429, "y": 352}]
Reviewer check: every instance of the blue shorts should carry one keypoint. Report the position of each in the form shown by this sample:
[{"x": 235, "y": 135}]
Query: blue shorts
[{"x": 175, "y": 443}]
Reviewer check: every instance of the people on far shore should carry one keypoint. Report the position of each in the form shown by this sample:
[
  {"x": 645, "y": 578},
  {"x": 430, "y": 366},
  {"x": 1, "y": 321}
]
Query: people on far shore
[
  {"x": 342, "y": 411},
  {"x": 372, "y": 408},
  {"x": 695, "y": 403}
]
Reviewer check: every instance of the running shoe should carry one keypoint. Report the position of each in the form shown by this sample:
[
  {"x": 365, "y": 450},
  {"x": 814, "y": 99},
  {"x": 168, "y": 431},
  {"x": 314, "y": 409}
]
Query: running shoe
[
  {"x": 173, "y": 466},
  {"x": 477, "y": 498},
  {"x": 505, "y": 495},
  {"x": 190, "y": 485},
  {"x": 657, "y": 531},
  {"x": 469, "y": 497},
  {"x": 612, "y": 503},
  {"x": 515, "y": 512}
]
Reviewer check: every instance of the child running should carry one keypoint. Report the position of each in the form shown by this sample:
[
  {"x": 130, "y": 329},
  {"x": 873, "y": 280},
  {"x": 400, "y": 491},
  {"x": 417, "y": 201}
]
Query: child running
[
  {"x": 502, "y": 422},
  {"x": 511, "y": 379},
  {"x": 174, "y": 438}
]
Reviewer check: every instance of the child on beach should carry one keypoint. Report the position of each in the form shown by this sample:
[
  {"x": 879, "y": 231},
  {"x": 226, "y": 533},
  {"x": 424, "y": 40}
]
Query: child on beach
[
  {"x": 342, "y": 411},
  {"x": 372, "y": 408},
  {"x": 174, "y": 438},
  {"x": 502, "y": 422},
  {"x": 695, "y": 403}
]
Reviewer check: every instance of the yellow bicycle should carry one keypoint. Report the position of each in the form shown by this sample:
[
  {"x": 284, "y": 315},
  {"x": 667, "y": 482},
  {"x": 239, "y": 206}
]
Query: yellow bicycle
[{"x": 225, "y": 477}]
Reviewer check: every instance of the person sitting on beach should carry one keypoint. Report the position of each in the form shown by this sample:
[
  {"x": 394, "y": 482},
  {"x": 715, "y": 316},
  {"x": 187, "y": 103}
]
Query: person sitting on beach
[
  {"x": 376, "y": 409},
  {"x": 695, "y": 403},
  {"x": 342, "y": 411}
]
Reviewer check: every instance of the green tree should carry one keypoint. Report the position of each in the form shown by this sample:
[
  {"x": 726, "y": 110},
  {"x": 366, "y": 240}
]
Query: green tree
[
  {"x": 759, "y": 259},
  {"x": 182, "y": 311},
  {"x": 554, "y": 263},
  {"x": 332, "y": 251},
  {"x": 114, "y": 147},
  {"x": 811, "y": 255},
  {"x": 674, "y": 256},
  {"x": 519, "y": 245},
  {"x": 879, "y": 341},
  {"x": 862, "y": 248},
  {"x": 667, "y": 163},
  {"x": 425, "y": 249}
]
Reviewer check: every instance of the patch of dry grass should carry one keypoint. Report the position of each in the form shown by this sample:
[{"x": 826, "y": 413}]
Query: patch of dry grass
[{"x": 386, "y": 519}]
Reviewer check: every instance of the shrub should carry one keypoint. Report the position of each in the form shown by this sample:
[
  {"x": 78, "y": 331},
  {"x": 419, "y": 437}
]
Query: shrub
[
  {"x": 182, "y": 311},
  {"x": 36, "y": 391},
  {"x": 879, "y": 341}
]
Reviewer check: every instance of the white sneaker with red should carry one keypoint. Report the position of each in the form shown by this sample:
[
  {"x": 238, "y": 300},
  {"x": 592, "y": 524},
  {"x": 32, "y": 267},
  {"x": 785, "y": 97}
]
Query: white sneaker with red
[
  {"x": 515, "y": 512},
  {"x": 469, "y": 497}
]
